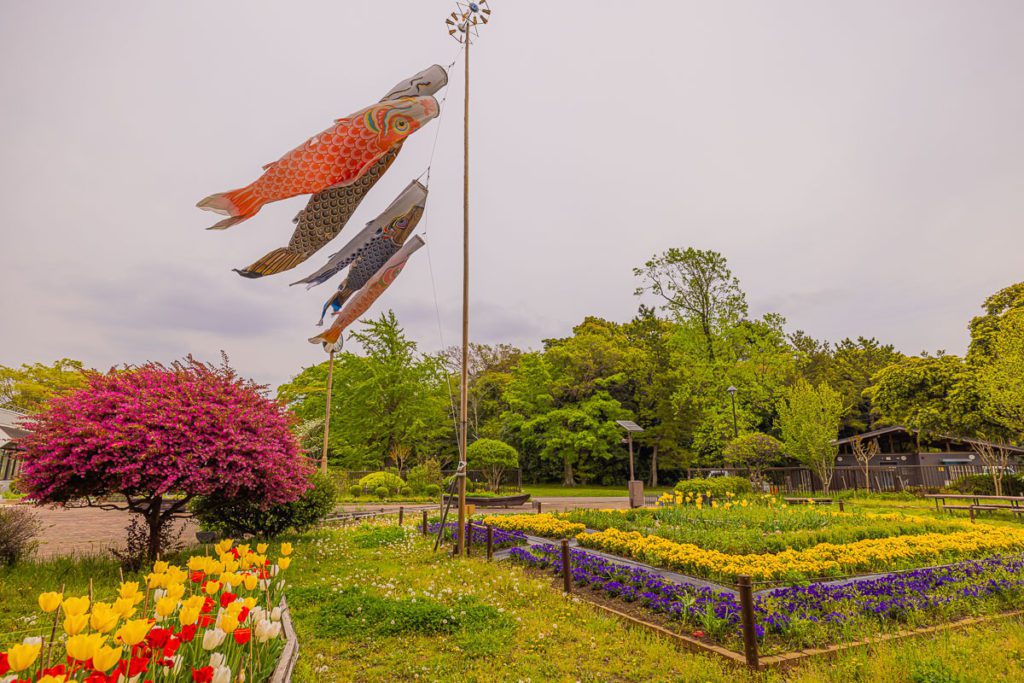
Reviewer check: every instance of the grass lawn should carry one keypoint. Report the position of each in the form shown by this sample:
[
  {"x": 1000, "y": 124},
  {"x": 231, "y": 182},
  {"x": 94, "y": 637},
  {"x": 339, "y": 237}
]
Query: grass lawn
[
  {"x": 380, "y": 606},
  {"x": 374, "y": 603}
]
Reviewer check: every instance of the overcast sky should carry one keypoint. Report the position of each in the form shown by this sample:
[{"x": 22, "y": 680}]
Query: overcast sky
[{"x": 860, "y": 164}]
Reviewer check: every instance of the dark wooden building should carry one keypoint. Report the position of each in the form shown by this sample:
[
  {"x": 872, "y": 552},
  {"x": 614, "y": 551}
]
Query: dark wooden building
[{"x": 909, "y": 458}]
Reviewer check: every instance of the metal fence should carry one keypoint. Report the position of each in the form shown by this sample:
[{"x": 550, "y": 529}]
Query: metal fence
[{"x": 880, "y": 478}]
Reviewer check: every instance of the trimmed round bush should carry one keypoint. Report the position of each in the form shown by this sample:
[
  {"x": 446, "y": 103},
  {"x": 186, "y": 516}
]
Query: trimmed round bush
[
  {"x": 355, "y": 490},
  {"x": 432, "y": 490},
  {"x": 406, "y": 491},
  {"x": 381, "y": 492},
  {"x": 371, "y": 482}
]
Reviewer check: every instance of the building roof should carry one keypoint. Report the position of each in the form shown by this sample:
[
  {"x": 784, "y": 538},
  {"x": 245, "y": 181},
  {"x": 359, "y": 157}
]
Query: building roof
[
  {"x": 10, "y": 418},
  {"x": 940, "y": 437}
]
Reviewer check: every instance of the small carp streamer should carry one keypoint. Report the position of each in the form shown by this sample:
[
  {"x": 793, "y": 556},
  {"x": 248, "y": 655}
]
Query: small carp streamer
[
  {"x": 365, "y": 297},
  {"x": 329, "y": 211},
  {"x": 368, "y": 251},
  {"x": 340, "y": 155}
]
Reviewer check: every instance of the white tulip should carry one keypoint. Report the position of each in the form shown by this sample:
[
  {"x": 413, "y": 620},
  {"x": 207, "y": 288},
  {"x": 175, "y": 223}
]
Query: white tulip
[
  {"x": 212, "y": 638},
  {"x": 32, "y": 640},
  {"x": 267, "y": 630},
  {"x": 222, "y": 674},
  {"x": 216, "y": 660},
  {"x": 275, "y": 614}
]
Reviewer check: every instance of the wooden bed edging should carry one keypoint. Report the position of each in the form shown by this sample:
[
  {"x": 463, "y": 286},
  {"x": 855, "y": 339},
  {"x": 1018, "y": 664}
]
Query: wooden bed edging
[
  {"x": 790, "y": 658},
  {"x": 290, "y": 653}
]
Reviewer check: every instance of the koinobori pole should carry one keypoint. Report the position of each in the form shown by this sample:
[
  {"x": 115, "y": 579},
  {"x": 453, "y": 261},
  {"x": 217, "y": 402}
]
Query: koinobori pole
[{"x": 462, "y": 26}]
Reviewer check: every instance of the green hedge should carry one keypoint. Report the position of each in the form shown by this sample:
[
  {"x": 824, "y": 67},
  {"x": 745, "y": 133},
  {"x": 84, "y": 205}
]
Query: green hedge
[
  {"x": 982, "y": 485},
  {"x": 238, "y": 516},
  {"x": 717, "y": 486}
]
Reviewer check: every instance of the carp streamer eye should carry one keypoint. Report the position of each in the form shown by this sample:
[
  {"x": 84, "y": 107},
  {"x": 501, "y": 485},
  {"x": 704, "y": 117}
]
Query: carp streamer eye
[{"x": 401, "y": 125}]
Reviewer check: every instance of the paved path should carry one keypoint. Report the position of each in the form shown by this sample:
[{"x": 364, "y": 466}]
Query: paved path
[
  {"x": 90, "y": 531},
  {"x": 87, "y": 531}
]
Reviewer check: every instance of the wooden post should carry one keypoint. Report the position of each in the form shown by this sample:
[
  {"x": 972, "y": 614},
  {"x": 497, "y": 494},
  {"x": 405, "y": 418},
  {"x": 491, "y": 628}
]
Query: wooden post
[
  {"x": 490, "y": 542},
  {"x": 327, "y": 414},
  {"x": 970, "y": 509},
  {"x": 537, "y": 505},
  {"x": 469, "y": 537},
  {"x": 401, "y": 514},
  {"x": 566, "y": 571},
  {"x": 747, "y": 620},
  {"x": 841, "y": 506},
  {"x": 424, "y": 522}
]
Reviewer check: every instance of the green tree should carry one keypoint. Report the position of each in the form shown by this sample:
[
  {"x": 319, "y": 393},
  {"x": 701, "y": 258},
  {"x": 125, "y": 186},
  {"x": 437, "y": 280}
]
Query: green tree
[
  {"x": 388, "y": 406},
  {"x": 755, "y": 451},
  {"x": 30, "y": 387},
  {"x": 494, "y": 458},
  {"x": 985, "y": 328},
  {"x": 809, "y": 419},
  {"x": 1000, "y": 381},
  {"x": 932, "y": 394},
  {"x": 696, "y": 286}
]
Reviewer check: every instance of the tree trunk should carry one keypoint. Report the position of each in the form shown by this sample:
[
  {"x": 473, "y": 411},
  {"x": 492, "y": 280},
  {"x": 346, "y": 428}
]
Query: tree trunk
[
  {"x": 654, "y": 467},
  {"x": 567, "y": 478},
  {"x": 154, "y": 522}
]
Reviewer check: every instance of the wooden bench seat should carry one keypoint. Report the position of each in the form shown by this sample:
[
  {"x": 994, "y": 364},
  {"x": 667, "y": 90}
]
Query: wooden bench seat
[{"x": 957, "y": 507}]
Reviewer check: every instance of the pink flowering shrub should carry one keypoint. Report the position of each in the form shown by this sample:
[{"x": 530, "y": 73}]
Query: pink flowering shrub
[{"x": 146, "y": 432}]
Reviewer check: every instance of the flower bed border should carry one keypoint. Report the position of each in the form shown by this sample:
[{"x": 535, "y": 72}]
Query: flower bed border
[
  {"x": 290, "y": 654},
  {"x": 787, "y": 659}
]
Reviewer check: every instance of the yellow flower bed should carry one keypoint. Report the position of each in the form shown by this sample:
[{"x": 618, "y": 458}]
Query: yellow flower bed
[
  {"x": 536, "y": 525},
  {"x": 825, "y": 558}
]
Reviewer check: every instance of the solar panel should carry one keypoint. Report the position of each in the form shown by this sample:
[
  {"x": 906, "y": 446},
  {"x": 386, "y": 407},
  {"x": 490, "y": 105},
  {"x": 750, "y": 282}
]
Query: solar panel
[{"x": 629, "y": 425}]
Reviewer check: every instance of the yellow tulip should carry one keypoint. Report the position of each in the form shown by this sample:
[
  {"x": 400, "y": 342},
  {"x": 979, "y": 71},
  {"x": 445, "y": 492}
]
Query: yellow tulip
[
  {"x": 286, "y": 549},
  {"x": 48, "y": 602},
  {"x": 75, "y": 624},
  {"x": 250, "y": 582},
  {"x": 22, "y": 656},
  {"x": 75, "y": 606},
  {"x": 195, "y": 602},
  {"x": 211, "y": 587},
  {"x": 83, "y": 647},
  {"x": 196, "y": 563},
  {"x": 129, "y": 589},
  {"x": 50, "y": 678},
  {"x": 227, "y": 623},
  {"x": 233, "y": 608},
  {"x": 249, "y": 603},
  {"x": 165, "y": 606},
  {"x": 284, "y": 562},
  {"x": 176, "y": 575},
  {"x": 125, "y": 607},
  {"x": 160, "y": 567},
  {"x": 133, "y": 632},
  {"x": 188, "y": 615},
  {"x": 261, "y": 548},
  {"x": 104, "y": 618},
  {"x": 106, "y": 657}
]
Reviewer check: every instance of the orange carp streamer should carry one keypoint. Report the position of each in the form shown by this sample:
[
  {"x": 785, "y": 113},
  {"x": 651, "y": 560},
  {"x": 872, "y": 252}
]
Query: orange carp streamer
[{"x": 338, "y": 156}]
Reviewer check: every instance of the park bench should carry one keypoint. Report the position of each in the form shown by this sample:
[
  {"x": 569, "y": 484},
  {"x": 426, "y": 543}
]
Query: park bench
[{"x": 978, "y": 503}]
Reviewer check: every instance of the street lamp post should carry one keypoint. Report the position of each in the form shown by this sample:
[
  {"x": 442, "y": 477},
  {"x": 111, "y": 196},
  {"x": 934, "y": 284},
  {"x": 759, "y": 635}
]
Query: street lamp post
[
  {"x": 636, "y": 488},
  {"x": 732, "y": 395}
]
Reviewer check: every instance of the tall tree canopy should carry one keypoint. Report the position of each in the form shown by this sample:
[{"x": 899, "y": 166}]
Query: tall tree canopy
[
  {"x": 696, "y": 286},
  {"x": 30, "y": 387},
  {"x": 389, "y": 407}
]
